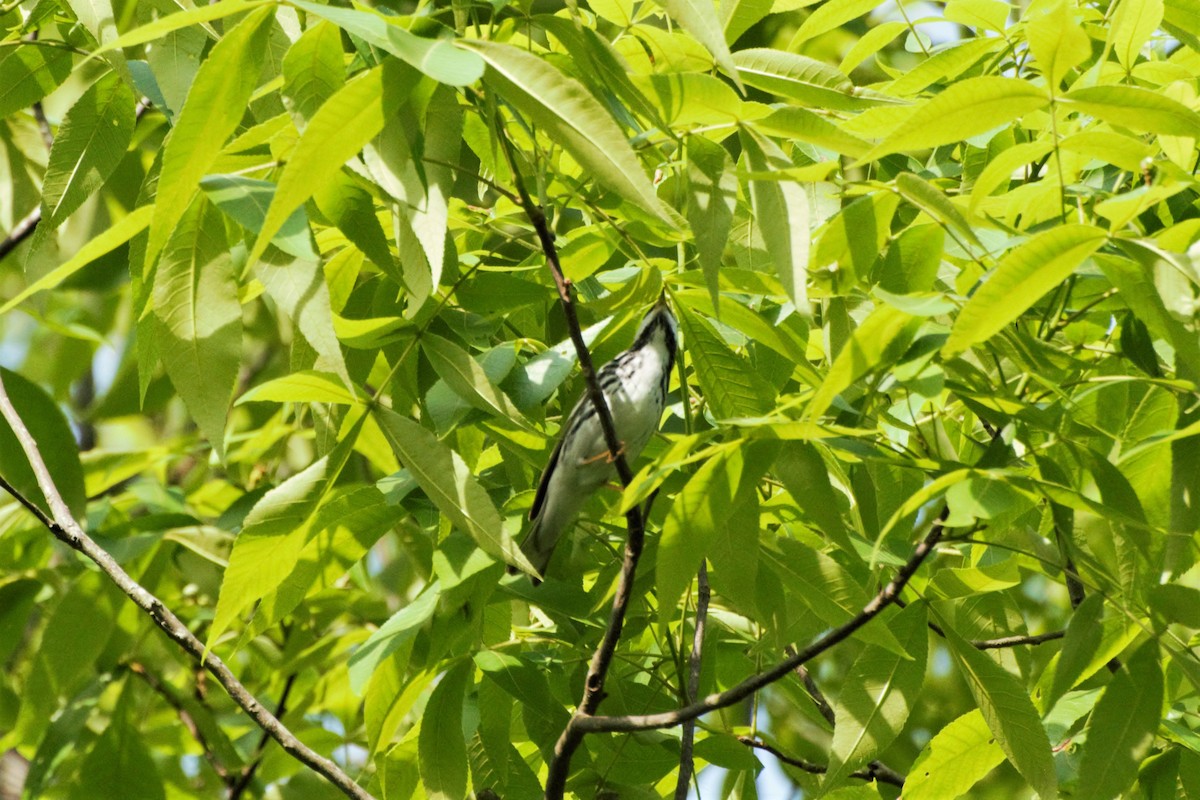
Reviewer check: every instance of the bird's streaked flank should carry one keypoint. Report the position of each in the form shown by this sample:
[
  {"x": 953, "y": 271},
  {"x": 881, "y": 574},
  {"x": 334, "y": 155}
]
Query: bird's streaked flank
[{"x": 634, "y": 385}]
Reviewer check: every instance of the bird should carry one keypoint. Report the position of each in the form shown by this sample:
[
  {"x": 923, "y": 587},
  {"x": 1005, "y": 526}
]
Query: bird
[{"x": 634, "y": 385}]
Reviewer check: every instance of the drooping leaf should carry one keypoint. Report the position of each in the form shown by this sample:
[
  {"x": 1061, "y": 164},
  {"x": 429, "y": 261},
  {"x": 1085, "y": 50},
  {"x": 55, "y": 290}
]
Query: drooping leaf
[
  {"x": 1122, "y": 726},
  {"x": 338, "y": 130},
  {"x": 89, "y": 145},
  {"x": 399, "y": 628},
  {"x": 731, "y": 387},
  {"x": 55, "y": 442},
  {"x": 782, "y": 214},
  {"x": 877, "y": 696},
  {"x": 440, "y": 59},
  {"x": 200, "y": 318},
  {"x": 958, "y": 757},
  {"x": 1020, "y": 279},
  {"x": 962, "y": 110},
  {"x": 448, "y": 482},
  {"x": 1009, "y": 714},
  {"x": 712, "y": 196},
  {"x": 442, "y": 748},
  {"x": 574, "y": 118},
  {"x": 214, "y": 107}
]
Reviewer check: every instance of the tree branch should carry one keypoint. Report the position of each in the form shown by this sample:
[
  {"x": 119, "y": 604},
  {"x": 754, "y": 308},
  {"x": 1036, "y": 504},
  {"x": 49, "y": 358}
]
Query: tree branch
[
  {"x": 20, "y": 232},
  {"x": 168, "y": 694},
  {"x": 876, "y": 768},
  {"x": 686, "y": 760},
  {"x": 874, "y": 772},
  {"x": 64, "y": 527},
  {"x": 886, "y": 597},
  {"x": 593, "y": 692},
  {"x": 243, "y": 780}
]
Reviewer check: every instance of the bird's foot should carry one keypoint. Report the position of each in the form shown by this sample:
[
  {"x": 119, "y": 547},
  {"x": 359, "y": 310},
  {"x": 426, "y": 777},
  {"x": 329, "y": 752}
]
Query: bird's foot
[{"x": 608, "y": 456}]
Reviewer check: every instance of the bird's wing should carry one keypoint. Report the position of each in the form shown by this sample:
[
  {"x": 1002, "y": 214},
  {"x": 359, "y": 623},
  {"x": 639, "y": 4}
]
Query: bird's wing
[{"x": 544, "y": 484}]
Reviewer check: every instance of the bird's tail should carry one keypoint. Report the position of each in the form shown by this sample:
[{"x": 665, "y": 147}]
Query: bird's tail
[{"x": 540, "y": 542}]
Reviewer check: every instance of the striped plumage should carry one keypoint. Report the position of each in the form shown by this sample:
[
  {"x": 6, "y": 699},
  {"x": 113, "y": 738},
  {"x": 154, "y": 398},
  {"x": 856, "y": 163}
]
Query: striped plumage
[{"x": 634, "y": 385}]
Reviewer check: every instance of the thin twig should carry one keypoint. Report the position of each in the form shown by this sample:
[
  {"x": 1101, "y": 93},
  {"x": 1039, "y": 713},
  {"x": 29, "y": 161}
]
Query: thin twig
[
  {"x": 668, "y": 719},
  {"x": 686, "y": 760},
  {"x": 168, "y": 694},
  {"x": 247, "y": 775},
  {"x": 593, "y": 692},
  {"x": 64, "y": 527},
  {"x": 20, "y": 232},
  {"x": 871, "y": 773},
  {"x": 875, "y": 768}
]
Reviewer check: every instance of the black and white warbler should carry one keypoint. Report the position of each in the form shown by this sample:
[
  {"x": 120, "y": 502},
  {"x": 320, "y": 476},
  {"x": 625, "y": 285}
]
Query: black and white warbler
[{"x": 634, "y": 385}]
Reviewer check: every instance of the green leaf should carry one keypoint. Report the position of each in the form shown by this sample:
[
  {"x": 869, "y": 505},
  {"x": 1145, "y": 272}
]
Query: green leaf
[
  {"x": 121, "y": 232},
  {"x": 335, "y": 134},
  {"x": 1122, "y": 726},
  {"x": 352, "y": 209},
  {"x": 212, "y": 112},
  {"x": 55, "y": 440},
  {"x": 699, "y": 18},
  {"x": 1009, "y": 714},
  {"x": 830, "y": 592},
  {"x": 812, "y": 83},
  {"x": 1131, "y": 27},
  {"x": 1080, "y": 645},
  {"x": 1176, "y": 603},
  {"x": 437, "y": 58},
  {"x": 877, "y": 696},
  {"x": 119, "y": 766},
  {"x": 272, "y": 537},
  {"x": 853, "y": 238},
  {"x": 308, "y": 386},
  {"x": 297, "y": 285},
  {"x": 89, "y": 145},
  {"x": 781, "y": 213},
  {"x": 399, "y": 628},
  {"x": 246, "y": 200},
  {"x": 712, "y": 197},
  {"x": 989, "y": 14},
  {"x": 832, "y": 14},
  {"x": 927, "y": 197},
  {"x": 798, "y": 123},
  {"x": 467, "y": 378},
  {"x": 1139, "y": 109},
  {"x": 29, "y": 73},
  {"x": 1058, "y": 42},
  {"x": 200, "y": 318},
  {"x": 731, "y": 387},
  {"x": 313, "y": 70},
  {"x": 173, "y": 22},
  {"x": 442, "y": 748},
  {"x": 960, "y": 111},
  {"x": 700, "y": 510},
  {"x": 569, "y": 114},
  {"x": 958, "y": 757},
  {"x": 448, "y": 482},
  {"x": 880, "y": 339},
  {"x": 1019, "y": 280},
  {"x": 1000, "y": 169}
]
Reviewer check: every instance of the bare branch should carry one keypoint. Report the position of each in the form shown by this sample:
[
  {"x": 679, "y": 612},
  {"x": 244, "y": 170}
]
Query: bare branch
[
  {"x": 243, "y": 781},
  {"x": 874, "y": 772},
  {"x": 63, "y": 525},
  {"x": 593, "y": 692},
  {"x": 686, "y": 760},
  {"x": 20, "y": 232},
  {"x": 886, "y": 597},
  {"x": 168, "y": 694}
]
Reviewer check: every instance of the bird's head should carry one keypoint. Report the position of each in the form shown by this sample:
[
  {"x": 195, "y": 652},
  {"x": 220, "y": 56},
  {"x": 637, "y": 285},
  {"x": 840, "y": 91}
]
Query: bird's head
[{"x": 659, "y": 328}]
